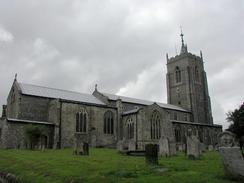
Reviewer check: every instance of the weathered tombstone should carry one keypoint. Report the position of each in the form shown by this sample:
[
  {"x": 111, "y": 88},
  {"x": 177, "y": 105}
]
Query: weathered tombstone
[
  {"x": 172, "y": 148},
  {"x": 85, "y": 149},
  {"x": 226, "y": 139},
  {"x": 78, "y": 146},
  {"x": 202, "y": 147},
  {"x": 151, "y": 154},
  {"x": 164, "y": 147},
  {"x": 132, "y": 145},
  {"x": 210, "y": 148},
  {"x": 193, "y": 147},
  {"x": 180, "y": 147},
  {"x": 120, "y": 145},
  {"x": 231, "y": 156},
  {"x": 93, "y": 141}
]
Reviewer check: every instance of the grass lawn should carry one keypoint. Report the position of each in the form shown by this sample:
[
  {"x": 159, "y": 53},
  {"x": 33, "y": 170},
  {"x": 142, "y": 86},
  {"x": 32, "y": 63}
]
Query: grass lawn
[{"x": 106, "y": 165}]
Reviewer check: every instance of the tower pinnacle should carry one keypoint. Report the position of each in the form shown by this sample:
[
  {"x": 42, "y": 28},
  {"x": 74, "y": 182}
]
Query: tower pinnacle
[
  {"x": 183, "y": 45},
  {"x": 182, "y": 37}
]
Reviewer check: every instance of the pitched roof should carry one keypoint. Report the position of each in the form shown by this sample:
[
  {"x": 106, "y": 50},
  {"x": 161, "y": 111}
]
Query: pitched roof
[
  {"x": 143, "y": 102},
  {"x": 34, "y": 90}
]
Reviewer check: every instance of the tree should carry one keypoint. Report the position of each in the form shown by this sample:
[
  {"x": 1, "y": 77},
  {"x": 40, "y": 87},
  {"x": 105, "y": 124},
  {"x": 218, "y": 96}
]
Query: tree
[{"x": 236, "y": 118}]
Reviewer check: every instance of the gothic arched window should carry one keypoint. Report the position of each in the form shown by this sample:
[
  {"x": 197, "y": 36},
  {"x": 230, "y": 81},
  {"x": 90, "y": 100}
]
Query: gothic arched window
[
  {"x": 155, "y": 125},
  {"x": 108, "y": 123},
  {"x": 177, "y": 75},
  {"x": 130, "y": 128},
  {"x": 81, "y": 121},
  {"x": 196, "y": 74}
]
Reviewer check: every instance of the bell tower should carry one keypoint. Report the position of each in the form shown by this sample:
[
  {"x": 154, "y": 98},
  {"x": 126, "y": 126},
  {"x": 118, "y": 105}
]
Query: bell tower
[{"x": 187, "y": 84}]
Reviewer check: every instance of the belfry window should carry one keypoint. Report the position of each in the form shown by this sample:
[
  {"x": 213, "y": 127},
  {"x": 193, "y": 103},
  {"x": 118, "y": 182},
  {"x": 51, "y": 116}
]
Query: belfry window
[
  {"x": 177, "y": 75},
  {"x": 130, "y": 128},
  {"x": 155, "y": 125},
  {"x": 81, "y": 121},
  {"x": 108, "y": 123}
]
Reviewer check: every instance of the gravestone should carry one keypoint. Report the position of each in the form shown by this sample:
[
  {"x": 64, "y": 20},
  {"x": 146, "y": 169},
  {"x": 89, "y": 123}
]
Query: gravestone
[
  {"x": 121, "y": 145},
  {"x": 93, "y": 141},
  {"x": 193, "y": 147},
  {"x": 85, "y": 149},
  {"x": 78, "y": 146},
  {"x": 210, "y": 148},
  {"x": 164, "y": 147},
  {"x": 172, "y": 148},
  {"x": 151, "y": 154},
  {"x": 202, "y": 147},
  {"x": 226, "y": 139},
  {"x": 131, "y": 145},
  {"x": 231, "y": 156},
  {"x": 180, "y": 147}
]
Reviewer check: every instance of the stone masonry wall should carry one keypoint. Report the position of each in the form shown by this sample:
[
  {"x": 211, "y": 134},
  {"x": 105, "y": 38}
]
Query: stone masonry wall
[
  {"x": 95, "y": 125},
  {"x": 13, "y": 134}
]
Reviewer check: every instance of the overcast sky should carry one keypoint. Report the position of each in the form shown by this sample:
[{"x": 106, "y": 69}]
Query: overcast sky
[{"x": 121, "y": 46}]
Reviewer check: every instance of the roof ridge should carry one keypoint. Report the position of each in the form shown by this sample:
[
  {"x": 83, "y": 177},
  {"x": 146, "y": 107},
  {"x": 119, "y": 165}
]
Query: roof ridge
[
  {"x": 179, "y": 107},
  {"x": 54, "y": 88},
  {"x": 137, "y": 98}
]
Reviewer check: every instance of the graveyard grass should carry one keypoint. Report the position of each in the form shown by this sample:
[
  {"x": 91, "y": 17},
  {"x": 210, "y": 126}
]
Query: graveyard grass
[{"x": 107, "y": 166}]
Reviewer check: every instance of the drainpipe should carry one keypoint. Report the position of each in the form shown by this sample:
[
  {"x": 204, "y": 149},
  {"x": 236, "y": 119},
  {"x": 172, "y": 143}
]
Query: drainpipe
[
  {"x": 60, "y": 125},
  {"x": 136, "y": 133}
]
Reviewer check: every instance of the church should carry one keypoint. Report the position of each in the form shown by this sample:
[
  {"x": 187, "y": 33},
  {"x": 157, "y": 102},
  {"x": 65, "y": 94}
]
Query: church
[{"x": 102, "y": 119}]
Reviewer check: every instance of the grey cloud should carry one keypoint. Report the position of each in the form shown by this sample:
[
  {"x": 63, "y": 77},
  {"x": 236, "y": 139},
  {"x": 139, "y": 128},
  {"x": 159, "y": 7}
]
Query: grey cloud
[{"x": 121, "y": 45}]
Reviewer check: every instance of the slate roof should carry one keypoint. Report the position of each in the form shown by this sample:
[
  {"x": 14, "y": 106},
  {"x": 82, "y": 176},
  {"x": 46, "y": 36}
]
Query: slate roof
[
  {"x": 34, "y": 90},
  {"x": 142, "y": 102}
]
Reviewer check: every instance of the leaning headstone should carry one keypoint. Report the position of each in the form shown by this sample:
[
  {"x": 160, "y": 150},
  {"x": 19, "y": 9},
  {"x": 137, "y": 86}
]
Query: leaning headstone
[
  {"x": 164, "y": 147},
  {"x": 193, "y": 147},
  {"x": 85, "y": 149},
  {"x": 151, "y": 154},
  {"x": 231, "y": 156},
  {"x": 233, "y": 162},
  {"x": 132, "y": 145}
]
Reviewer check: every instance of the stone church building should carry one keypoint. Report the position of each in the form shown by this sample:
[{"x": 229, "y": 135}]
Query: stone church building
[{"x": 103, "y": 119}]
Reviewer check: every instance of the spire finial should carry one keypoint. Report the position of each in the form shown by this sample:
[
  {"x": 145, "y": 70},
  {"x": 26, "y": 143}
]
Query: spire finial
[
  {"x": 182, "y": 36},
  {"x": 15, "y": 77},
  {"x": 183, "y": 45},
  {"x": 201, "y": 54},
  {"x": 96, "y": 87}
]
